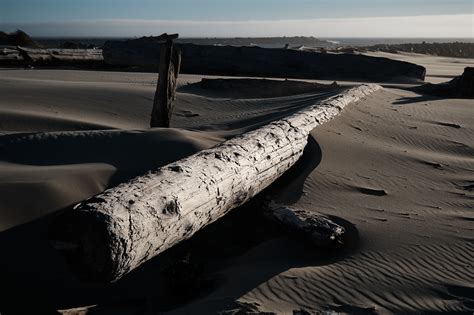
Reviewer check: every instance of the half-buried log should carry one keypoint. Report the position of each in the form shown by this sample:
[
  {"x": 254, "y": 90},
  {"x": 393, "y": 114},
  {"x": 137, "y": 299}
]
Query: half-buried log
[
  {"x": 109, "y": 235},
  {"x": 264, "y": 62},
  {"x": 310, "y": 225}
]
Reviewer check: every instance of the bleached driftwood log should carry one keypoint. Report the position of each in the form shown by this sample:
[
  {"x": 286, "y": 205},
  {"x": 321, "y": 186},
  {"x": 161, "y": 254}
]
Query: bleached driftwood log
[
  {"x": 58, "y": 54},
  {"x": 313, "y": 226},
  {"x": 114, "y": 232},
  {"x": 165, "y": 95}
]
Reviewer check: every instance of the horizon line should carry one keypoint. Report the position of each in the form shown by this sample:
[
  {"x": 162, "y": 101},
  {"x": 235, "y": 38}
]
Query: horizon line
[{"x": 416, "y": 26}]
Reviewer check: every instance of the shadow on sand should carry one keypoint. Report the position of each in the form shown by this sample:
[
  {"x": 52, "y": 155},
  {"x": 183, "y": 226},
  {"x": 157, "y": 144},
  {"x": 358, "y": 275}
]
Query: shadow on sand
[
  {"x": 415, "y": 99},
  {"x": 35, "y": 279}
]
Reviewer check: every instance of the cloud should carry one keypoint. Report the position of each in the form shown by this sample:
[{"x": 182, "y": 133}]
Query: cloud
[{"x": 460, "y": 26}]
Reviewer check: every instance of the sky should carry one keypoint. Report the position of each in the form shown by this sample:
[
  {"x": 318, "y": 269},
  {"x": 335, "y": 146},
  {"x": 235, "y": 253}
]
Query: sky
[{"x": 220, "y": 18}]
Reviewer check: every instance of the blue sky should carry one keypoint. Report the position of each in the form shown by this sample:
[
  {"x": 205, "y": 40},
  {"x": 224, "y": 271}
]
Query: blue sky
[{"x": 116, "y": 17}]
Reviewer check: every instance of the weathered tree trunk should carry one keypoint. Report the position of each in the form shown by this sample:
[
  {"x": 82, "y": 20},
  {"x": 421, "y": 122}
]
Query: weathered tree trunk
[
  {"x": 312, "y": 226},
  {"x": 265, "y": 62},
  {"x": 170, "y": 62},
  {"x": 114, "y": 232},
  {"x": 57, "y": 54}
]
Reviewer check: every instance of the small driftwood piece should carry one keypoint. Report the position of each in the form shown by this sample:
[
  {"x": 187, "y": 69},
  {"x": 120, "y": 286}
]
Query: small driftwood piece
[
  {"x": 165, "y": 95},
  {"x": 310, "y": 225},
  {"x": 108, "y": 235}
]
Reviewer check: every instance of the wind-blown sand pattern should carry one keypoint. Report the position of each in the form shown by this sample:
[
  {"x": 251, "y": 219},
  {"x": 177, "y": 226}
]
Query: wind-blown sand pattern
[{"x": 395, "y": 170}]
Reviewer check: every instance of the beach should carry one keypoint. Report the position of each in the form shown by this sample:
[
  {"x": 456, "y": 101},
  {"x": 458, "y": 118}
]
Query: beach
[{"x": 394, "y": 169}]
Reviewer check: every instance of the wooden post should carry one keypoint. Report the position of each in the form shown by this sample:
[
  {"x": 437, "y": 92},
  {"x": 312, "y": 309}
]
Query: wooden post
[
  {"x": 170, "y": 62},
  {"x": 108, "y": 235}
]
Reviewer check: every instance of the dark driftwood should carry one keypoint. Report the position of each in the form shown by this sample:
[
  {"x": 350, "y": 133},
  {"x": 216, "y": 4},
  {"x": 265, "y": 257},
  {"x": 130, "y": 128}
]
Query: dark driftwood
[
  {"x": 116, "y": 231},
  {"x": 461, "y": 86},
  {"x": 312, "y": 226},
  {"x": 170, "y": 62},
  {"x": 263, "y": 62}
]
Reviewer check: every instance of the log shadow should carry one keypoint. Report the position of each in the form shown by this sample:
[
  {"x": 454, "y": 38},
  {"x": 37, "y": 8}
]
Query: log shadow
[
  {"x": 289, "y": 187},
  {"x": 254, "y": 88},
  {"x": 416, "y": 99},
  {"x": 203, "y": 268}
]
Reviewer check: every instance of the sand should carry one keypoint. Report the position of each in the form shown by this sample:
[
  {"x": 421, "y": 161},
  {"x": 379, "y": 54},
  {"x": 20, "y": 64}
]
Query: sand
[
  {"x": 395, "y": 170},
  {"x": 438, "y": 69},
  {"x": 415, "y": 242}
]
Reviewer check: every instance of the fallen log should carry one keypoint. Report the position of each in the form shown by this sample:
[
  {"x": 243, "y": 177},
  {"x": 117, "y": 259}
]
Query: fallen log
[
  {"x": 109, "y": 235},
  {"x": 320, "y": 230},
  {"x": 61, "y": 55},
  {"x": 264, "y": 62}
]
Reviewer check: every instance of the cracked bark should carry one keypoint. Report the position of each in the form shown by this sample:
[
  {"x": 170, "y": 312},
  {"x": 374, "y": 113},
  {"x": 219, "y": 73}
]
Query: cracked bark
[{"x": 107, "y": 236}]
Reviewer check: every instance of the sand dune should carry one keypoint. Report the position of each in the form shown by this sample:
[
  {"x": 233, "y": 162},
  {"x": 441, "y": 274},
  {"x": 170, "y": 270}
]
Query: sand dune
[
  {"x": 414, "y": 250},
  {"x": 90, "y": 153},
  {"x": 395, "y": 170},
  {"x": 62, "y": 168}
]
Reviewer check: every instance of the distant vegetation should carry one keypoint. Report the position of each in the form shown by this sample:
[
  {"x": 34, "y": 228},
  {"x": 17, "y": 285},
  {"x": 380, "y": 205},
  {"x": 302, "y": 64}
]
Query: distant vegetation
[
  {"x": 18, "y": 38},
  {"x": 456, "y": 49}
]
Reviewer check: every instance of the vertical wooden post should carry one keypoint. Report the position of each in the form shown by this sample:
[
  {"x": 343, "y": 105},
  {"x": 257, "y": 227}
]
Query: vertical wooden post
[{"x": 170, "y": 62}]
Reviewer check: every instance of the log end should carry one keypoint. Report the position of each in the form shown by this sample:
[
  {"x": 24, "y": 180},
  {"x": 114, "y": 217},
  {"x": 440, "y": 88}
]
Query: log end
[{"x": 84, "y": 240}]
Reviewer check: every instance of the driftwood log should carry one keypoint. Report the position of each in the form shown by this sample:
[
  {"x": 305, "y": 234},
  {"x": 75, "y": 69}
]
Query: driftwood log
[
  {"x": 315, "y": 227},
  {"x": 165, "y": 95},
  {"x": 264, "y": 62},
  {"x": 60, "y": 55},
  {"x": 110, "y": 234}
]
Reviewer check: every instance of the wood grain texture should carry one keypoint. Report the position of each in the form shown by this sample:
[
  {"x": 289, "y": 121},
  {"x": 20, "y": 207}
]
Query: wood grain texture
[
  {"x": 59, "y": 54},
  {"x": 165, "y": 95}
]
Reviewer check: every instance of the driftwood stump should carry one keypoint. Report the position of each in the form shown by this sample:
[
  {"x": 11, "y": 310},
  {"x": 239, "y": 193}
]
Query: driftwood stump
[
  {"x": 108, "y": 235},
  {"x": 170, "y": 62}
]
